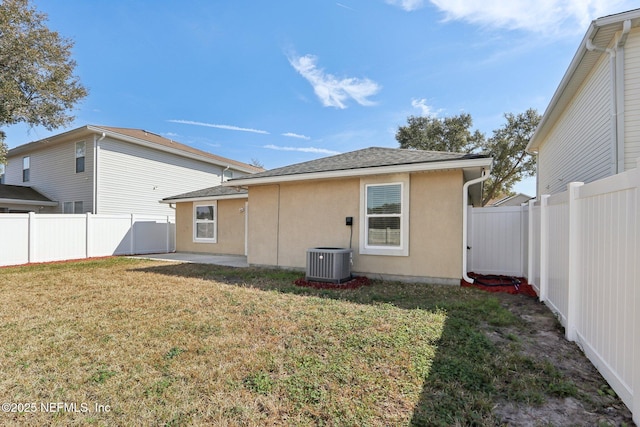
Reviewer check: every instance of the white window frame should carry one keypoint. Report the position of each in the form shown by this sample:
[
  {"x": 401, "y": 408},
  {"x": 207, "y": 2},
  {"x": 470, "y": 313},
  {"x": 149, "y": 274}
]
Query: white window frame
[
  {"x": 84, "y": 156},
  {"x": 26, "y": 167},
  {"x": 403, "y": 248},
  {"x": 197, "y": 221}
]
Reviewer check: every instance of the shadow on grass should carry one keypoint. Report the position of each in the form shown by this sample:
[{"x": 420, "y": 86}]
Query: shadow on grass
[{"x": 469, "y": 373}]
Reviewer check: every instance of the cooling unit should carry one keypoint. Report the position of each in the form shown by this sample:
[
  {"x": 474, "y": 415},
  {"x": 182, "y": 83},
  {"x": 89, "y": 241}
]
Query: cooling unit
[{"x": 328, "y": 265}]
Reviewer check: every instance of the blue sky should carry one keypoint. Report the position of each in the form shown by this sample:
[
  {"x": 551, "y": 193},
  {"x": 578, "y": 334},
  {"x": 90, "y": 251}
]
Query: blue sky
[{"x": 283, "y": 82}]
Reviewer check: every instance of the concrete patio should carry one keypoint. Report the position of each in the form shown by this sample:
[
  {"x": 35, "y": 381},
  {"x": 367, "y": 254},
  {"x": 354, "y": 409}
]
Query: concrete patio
[{"x": 227, "y": 260}]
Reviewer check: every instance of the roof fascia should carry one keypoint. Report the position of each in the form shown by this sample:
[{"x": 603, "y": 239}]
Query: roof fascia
[
  {"x": 205, "y": 198},
  {"x": 380, "y": 170},
  {"x": 28, "y": 202}
]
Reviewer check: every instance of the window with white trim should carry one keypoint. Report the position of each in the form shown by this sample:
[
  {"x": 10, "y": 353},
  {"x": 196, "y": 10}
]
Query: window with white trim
[
  {"x": 26, "y": 168},
  {"x": 204, "y": 223},
  {"x": 1, "y": 173},
  {"x": 80, "y": 154},
  {"x": 73, "y": 207},
  {"x": 384, "y": 227}
]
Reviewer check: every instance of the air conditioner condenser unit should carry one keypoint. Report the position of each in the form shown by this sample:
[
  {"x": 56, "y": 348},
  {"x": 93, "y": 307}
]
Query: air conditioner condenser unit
[{"x": 328, "y": 265}]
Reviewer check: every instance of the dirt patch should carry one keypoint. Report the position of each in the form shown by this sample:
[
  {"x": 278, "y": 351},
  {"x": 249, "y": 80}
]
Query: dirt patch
[{"x": 594, "y": 404}]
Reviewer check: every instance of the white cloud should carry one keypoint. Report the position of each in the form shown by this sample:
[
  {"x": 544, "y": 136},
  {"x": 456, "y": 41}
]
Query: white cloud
[
  {"x": 295, "y": 135},
  {"x": 332, "y": 91},
  {"x": 227, "y": 127},
  {"x": 301, "y": 149},
  {"x": 407, "y": 5},
  {"x": 542, "y": 16},
  {"x": 426, "y": 110}
]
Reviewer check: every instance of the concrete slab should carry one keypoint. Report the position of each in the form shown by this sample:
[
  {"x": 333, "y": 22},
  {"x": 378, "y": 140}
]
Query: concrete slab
[{"x": 227, "y": 260}]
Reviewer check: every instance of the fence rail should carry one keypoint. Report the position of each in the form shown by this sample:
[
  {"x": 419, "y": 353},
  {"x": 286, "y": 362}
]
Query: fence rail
[
  {"x": 29, "y": 238},
  {"x": 583, "y": 259}
]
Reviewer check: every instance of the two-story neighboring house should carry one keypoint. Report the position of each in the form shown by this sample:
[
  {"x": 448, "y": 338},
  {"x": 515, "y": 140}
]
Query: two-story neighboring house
[
  {"x": 591, "y": 128},
  {"x": 109, "y": 170}
]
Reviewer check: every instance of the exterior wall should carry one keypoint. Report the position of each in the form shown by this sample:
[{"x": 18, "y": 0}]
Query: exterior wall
[
  {"x": 53, "y": 173},
  {"x": 580, "y": 147},
  {"x": 287, "y": 219},
  {"x": 230, "y": 224},
  {"x": 632, "y": 100},
  {"x": 133, "y": 178}
]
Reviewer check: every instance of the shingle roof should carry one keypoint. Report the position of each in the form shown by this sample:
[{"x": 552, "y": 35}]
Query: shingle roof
[
  {"x": 18, "y": 192},
  {"x": 211, "y": 192},
  {"x": 160, "y": 140},
  {"x": 366, "y": 158},
  {"x": 138, "y": 134}
]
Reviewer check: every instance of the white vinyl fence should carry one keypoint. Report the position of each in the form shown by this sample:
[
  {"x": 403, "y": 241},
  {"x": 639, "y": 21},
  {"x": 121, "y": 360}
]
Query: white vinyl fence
[
  {"x": 29, "y": 238},
  {"x": 583, "y": 257}
]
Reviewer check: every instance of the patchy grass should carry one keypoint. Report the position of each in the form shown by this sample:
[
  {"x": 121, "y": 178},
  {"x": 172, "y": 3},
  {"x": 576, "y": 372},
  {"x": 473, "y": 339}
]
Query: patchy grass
[{"x": 150, "y": 343}]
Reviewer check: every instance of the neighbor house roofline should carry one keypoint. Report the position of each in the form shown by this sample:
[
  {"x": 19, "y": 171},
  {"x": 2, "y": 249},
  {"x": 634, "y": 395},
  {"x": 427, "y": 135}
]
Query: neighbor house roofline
[
  {"x": 601, "y": 32},
  {"x": 138, "y": 137}
]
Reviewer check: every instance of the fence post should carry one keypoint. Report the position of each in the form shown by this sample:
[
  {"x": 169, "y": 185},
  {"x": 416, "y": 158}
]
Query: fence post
[
  {"x": 573, "y": 285},
  {"x": 523, "y": 230},
  {"x": 530, "y": 244},
  {"x": 168, "y": 238},
  {"x": 544, "y": 247},
  {"x": 32, "y": 237},
  {"x": 132, "y": 237},
  {"x": 89, "y": 235}
]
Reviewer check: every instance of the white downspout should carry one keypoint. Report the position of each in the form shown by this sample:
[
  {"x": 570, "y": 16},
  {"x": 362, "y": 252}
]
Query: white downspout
[
  {"x": 465, "y": 201},
  {"x": 95, "y": 171},
  {"x": 616, "y": 63}
]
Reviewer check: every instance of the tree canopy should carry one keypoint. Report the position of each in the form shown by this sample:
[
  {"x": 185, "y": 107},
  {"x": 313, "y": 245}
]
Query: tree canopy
[
  {"x": 506, "y": 145},
  {"x": 37, "y": 81}
]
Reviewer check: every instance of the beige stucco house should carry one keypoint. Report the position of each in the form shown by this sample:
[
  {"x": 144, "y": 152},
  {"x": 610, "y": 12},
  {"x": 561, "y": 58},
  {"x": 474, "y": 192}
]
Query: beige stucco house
[{"x": 405, "y": 207}]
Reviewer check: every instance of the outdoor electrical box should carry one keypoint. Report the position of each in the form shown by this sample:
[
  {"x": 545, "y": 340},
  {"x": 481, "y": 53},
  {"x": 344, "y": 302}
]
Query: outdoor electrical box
[{"x": 349, "y": 220}]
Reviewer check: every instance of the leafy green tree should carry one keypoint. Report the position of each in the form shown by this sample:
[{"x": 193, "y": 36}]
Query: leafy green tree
[
  {"x": 511, "y": 163},
  {"x": 37, "y": 84},
  {"x": 454, "y": 134},
  {"x": 434, "y": 134}
]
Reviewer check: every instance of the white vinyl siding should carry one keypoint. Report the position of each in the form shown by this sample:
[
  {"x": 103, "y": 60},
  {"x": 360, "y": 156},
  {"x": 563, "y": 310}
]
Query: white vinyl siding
[
  {"x": 52, "y": 173},
  {"x": 580, "y": 146},
  {"x": 133, "y": 178},
  {"x": 632, "y": 100}
]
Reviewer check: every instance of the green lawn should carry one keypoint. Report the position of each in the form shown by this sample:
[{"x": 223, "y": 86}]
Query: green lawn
[{"x": 132, "y": 342}]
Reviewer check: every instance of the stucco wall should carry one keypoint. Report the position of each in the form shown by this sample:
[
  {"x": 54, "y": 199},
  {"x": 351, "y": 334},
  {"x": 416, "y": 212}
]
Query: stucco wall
[
  {"x": 230, "y": 228},
  {"x": 287, "y": 219}
]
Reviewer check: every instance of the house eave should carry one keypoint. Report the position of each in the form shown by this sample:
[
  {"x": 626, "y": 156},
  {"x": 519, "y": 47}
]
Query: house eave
[
  {"x": 567, "y": 87},
  {"x": 28, "y": 202},
  {"x": 380, "y": 170},
  {"x": 204, "y": 198}
]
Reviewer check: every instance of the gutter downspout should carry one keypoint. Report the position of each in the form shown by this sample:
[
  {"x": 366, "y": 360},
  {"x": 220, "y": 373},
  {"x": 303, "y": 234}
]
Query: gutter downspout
[
  {"x": 95, "y": 171},
  {"x": 465, "y": 201},
  {"x": 616, "y": 65}
]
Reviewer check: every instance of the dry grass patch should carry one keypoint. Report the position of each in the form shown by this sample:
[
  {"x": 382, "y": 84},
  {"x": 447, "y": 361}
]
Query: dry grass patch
[
  {"x": 158, "y": 343},
  {"x": 167, "y": 349}
]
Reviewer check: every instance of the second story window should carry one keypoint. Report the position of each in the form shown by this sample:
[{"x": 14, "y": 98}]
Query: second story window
[
  {"x": 26, "y": 168},
  {"x": 1, "y": 173},
  {"x": 80, "y": 151}
]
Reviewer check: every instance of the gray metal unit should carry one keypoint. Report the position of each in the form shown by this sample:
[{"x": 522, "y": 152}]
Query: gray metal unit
[{"x": 328, "y": 265}]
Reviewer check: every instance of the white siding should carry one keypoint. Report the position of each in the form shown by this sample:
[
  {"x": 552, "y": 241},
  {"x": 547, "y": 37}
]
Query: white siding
[
  {"x": 580, "y": 146},
  {"x": 133, "y": 178},
  {"x": 632, "y": 100},
  {"x": 53, "y": 173}
]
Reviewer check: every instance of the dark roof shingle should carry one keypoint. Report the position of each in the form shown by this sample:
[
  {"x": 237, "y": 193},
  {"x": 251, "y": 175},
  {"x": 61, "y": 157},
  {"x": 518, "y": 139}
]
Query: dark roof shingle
[
  {"x": 18, "y": 192},
  {"x": 366, "y": 158}
]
